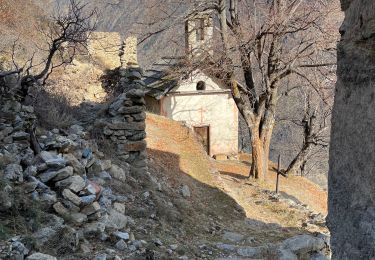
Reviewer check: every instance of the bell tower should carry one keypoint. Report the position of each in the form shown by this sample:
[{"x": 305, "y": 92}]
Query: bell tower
[{"x": 198, "y": 35}]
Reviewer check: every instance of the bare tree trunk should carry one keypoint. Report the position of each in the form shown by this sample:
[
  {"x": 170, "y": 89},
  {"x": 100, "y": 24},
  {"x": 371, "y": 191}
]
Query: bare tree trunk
[
  {"x": 35, "y": 146},
  {"x": 298, "y": 161},
  {"x": 259, "y": 158},
  {"x": 223, "y": 23}
]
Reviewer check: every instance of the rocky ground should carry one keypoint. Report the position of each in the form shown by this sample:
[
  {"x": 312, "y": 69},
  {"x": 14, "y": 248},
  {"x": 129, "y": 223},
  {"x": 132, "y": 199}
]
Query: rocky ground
[
  {"x": 75, "y": 201},
  {"x": 78, "y": 198}
]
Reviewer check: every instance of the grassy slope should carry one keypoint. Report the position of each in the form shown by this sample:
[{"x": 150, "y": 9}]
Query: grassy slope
[{"x": 182, "y": 160}]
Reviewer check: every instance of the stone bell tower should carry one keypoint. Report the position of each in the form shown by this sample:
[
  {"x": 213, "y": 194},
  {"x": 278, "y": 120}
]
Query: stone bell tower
[{"x": 198, "y": 35}]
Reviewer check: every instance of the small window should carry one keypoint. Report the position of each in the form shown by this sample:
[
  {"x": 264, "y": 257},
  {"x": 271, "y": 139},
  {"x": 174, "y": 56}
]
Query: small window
[{"x": 201, "y": 85}]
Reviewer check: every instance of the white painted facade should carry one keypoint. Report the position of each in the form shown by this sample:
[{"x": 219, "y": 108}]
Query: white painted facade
[{"x": 213, "y": 107}]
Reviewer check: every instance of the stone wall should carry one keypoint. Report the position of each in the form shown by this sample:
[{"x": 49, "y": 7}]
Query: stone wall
[
  {"x": 104, "y": 49},
  {"x": 129, "y": 51},
  {"x": 109, "y": 51},
  {"x": 126, "y": 125},
  {"x": 351, "y": 217}
]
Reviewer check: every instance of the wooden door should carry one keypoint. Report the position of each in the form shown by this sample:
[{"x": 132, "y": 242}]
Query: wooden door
[{"x": 203, "y": 136}]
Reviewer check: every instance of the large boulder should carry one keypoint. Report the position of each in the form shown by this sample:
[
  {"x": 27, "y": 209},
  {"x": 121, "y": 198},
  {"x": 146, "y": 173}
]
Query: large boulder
[
  {"x": 40, "y": 256},
  {"x": 352, "y": 149}
]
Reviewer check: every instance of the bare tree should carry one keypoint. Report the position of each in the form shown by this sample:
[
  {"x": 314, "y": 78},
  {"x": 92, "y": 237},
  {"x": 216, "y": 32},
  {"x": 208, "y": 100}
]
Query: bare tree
[
  {"x": 266, "y": 49},
  {"x": 315, "y": 125},
  {"x": 65, "y": 34},
  {"x": 283, "y": 39}
]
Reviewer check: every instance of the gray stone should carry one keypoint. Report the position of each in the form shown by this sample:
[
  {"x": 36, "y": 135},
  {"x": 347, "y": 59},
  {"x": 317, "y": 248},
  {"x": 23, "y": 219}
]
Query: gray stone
[
  {"x": 52, "y": 161},
  {"x": 117, "y": 172},
  {"x": 13, "y": 172},
  {"x": 133, "y": 74},
  {"x": 233, "y": 237},
  {"x": 96, "y": 167},
  {"x": 119, "y": 207},
  {"x": 20, "y": 248},
  {"x": 352, "y": 147},
  {"x": 127, "y": 126},
  {"x": 122, "y": 235},
  {"x": 106, "y": 164},
  {"x": 105, "y": 176},
  {"x": 28, "y": 109},
  {"x": 70, "y": 205},
  {"x": 91, "y": 209},
  {"x": 185, "y": 191},
  {"x": 47, "y": 176},
  {"x": 87, "y": 153},
  {"x": 19, "y": 136},
  {"x": 115, "y": 220},
  {"x": 131, "y": 110},
  {"x": 63, "y": 173},
  {"x": 78, "y": 218},
  {"x": 100, "y": 257},
  {"x": 5, "y": 132},
  {"x": 30, "y": 171},
  {"x": 69, "y": 195},
  {"x": 43, "y": 235},
  {"x": 48, "y": 198},
  {"x": 75, "y": 183},
  {"x": 93, "y": 229},
  {"x": 76, "y": 129},
  {"x": 285, "y": 255},
  {"x": 226, "y": 247},
  {"x": 303, "y": 244},
  {"x": 40, "y": 256},
  {"x": 121, "y": 245},
  {"x": 87, "y": 200},
  {"x": 61, "y": 209},
  {"x": 29, "y": 187},
  {"x": 139, "y": 116},
  {"x": 78, "y": 168},
  {"x": 318, "y": 256},
  {"x": 135, "y": 93},
  {"x": 255, "y": 252}
]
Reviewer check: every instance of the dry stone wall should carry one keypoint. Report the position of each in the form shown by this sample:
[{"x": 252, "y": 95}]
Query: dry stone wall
[
  {"x": 104, "y": 48},
  {"x": 125, "y": 127},
  {"x": 351, "y": 217}
]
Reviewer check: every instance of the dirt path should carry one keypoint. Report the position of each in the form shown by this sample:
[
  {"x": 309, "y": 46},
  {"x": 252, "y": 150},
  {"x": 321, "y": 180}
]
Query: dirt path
[{"x": 294, "y": 187}]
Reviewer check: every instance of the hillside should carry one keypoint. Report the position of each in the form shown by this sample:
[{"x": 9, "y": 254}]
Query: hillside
[
  {"x": 80, "y": 197},
  {"x": 169, "y": 141},
  {"x": 79, "y": 200}
]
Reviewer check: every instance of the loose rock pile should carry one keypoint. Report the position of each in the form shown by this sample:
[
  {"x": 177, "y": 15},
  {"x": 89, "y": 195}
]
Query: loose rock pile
[{"x": 69, "y": 176}]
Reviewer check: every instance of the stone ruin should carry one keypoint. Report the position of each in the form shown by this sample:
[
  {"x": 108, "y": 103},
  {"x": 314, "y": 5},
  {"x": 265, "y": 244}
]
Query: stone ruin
[
  {"x": 103, "y": 48},
  {"x": 109, "y": 51},
  {"x": 125, "y": 127}
]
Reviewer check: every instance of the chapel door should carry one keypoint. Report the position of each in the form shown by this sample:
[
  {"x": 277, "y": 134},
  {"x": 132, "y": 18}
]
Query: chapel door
[{"x": 203, "y": 136}]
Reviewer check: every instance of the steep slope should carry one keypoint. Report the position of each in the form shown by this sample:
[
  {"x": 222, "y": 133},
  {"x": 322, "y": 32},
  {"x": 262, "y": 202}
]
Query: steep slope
[
  {"x": 175, "y": 149},
  {"x": 19, "y": 24}
]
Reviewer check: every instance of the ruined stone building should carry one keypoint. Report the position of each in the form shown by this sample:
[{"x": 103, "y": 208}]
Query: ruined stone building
[
  {"x": 109, "y": 51},
  {"x": 198, "y": 99}
]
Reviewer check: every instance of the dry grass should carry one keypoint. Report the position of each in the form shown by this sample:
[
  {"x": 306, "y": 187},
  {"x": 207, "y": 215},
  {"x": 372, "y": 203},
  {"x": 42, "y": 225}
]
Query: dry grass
[
  {"x": 53, "y": 110},
  {"x": 298, "y": 187},
  {"x": 182, "y": 160}
]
